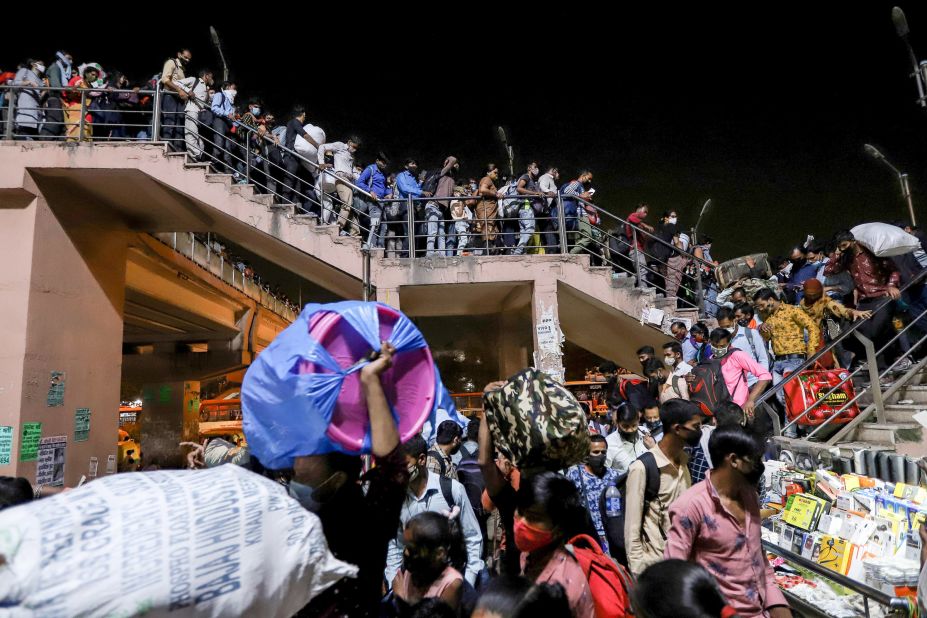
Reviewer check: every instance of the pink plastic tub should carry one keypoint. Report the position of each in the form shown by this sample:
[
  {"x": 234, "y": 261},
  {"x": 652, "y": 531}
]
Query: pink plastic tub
[{"x": 409, "y": 384}]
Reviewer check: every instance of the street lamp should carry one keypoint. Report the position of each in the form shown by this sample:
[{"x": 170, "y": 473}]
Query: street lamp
[
  {"x": 920, "y": 68},
  {"x": 873, "y": 152}
]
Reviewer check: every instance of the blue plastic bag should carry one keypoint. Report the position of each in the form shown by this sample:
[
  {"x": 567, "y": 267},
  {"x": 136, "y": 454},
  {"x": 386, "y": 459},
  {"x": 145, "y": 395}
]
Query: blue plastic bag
[{"x": 286, "y": 414}]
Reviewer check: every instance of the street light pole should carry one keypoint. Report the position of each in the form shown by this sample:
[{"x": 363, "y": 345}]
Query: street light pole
[
  {"x": 874, "y": 152},
  {"x": 919, "y": 69}
]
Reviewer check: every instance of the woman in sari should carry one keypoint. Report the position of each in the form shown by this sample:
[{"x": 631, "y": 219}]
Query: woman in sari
[
  {"x": 72, "y": 107},
  {"x": 485, "y": 219}
]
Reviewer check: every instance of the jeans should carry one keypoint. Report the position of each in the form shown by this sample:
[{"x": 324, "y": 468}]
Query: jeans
[
  {"x": 526, "y": 226},
  {"x": 435, "y": 230},
  {"x": 779, "y": 369},
  {"x": 172, "y": 119},
  {"x": 375, "y": 217},
  {"x": 461, "y": 234}
]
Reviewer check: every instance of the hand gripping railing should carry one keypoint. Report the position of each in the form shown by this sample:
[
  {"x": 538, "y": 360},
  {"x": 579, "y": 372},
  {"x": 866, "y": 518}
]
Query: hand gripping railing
[{"x": 872, "y": 354}]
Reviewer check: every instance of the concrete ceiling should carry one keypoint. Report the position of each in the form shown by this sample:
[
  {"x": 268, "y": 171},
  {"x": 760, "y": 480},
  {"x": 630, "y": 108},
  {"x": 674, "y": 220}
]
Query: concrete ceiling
[
  {"x": 130, "y": 199},
  {"x": 463, "y": 298},
  {"x": 602, "y": 329}
]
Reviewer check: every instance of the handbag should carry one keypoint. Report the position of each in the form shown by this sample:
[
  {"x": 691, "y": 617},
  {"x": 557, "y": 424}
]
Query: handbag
[{"x": 814, "y": 384}]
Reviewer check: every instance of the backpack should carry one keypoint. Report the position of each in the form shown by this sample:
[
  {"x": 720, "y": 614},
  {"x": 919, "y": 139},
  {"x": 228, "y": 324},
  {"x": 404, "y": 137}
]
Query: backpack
[
  {"x": 470, "y": 475},
  {"x": 614, "y": 526},
  {"x": 708, "y": 388},
  {"x": 430, "y": 184},
  {"x": 512, "y": 202},
  {"x": 609, "y": 583},
  {"x": 437, "y": 456},
  {"x": 280, "y": 132}
]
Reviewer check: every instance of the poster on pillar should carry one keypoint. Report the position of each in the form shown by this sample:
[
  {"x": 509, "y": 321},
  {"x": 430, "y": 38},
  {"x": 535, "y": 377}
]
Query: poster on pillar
[
  {"x": 29, "y": 441},
  {"x": 56, "y": 385},
  {"x": 6, "y": 444},
  {"x": 50, "y": 468},
  {"x": 82, "y": 424},
  {"x": 549, "y": 353}
]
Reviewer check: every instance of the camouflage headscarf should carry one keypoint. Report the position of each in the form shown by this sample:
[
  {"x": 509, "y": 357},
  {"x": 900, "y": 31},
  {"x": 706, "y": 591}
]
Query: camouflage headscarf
[{"x": 538, "y": 421}]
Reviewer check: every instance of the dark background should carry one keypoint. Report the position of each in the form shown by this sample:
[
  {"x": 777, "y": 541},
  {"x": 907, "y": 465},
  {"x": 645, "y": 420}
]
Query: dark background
[{"x": 763, "y": 109}]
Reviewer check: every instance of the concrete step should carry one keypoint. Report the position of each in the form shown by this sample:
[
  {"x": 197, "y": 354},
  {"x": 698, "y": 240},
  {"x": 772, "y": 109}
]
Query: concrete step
[
  {"x": 176, "y": 154},
  {"x": 913, "y": 392},
  {"x": 902, "y": 413},
  {"x": 622, "y": 282},
  {"x": 193, "y": 165},
  {"x": 281, "y": 207},
  {"x": 224, "y": 179},
  {"x": 244, "y": 190},
  {"x": 889, "y": 433},
  {"x": 265, "y": 199}
]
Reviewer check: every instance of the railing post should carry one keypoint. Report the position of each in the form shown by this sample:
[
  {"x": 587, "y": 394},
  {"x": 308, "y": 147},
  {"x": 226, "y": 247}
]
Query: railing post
[
  {"x": 411, "y": 217},
  {"x": 365, "y": 269},
  {"x": 637, "y": 258},
  {"x": 156, "y": 113},
  {"x": 872, "y": 368},
  {"x": 561, "y": 223},
  {"x": 248, "y": 157},
  {"x": 11, "y": 112},
  {"x": 699, "y": 291},
  {"x": 83, "y": 115}
]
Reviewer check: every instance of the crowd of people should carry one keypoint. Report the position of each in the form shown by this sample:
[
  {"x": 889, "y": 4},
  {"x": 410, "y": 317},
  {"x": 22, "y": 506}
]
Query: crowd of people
[
  {"x": 457, "y": 529},
  {"x": 288, "y": 156}
]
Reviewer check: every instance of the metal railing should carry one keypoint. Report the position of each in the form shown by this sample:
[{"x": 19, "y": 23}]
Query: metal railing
[
  {"x": 204, "y": 255},
  {"x": 871, "y": 367},
  {"x": 253, "y": 156},
  {"x": 895, "y": 606}
]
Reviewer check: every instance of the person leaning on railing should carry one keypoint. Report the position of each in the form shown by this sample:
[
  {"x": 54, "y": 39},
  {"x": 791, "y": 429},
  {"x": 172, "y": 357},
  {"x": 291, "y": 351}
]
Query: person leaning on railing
[
  {"x": 785, "y": 327},
  {"x": 174, "y": 98},
  {"x": 73, "y": 107},
  {"x": 486, "y": 211},
  {"x": 28, "y": 108},
  {"x": 58, "y": 75}
]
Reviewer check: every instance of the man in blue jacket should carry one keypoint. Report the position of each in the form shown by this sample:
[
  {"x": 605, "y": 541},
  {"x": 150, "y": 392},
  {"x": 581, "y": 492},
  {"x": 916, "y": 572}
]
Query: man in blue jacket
[
  {"x": 373, "y": 181},
  {"x": 406, "y": 186}
]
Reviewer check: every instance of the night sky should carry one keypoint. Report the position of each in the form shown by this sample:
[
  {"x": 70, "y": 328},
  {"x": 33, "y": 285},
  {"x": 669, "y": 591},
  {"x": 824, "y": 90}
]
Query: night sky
[{"x": 765, "y": 110}]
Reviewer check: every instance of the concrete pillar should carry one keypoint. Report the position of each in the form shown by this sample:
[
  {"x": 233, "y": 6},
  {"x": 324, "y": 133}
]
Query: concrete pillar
[
  {"x": 515, "y": 342},
  {"x": 170, "y": 415},
  {"x": 548, "y": 338},
  {"x": 388, "y": 296},
  {"x": 62, "y": 292}
]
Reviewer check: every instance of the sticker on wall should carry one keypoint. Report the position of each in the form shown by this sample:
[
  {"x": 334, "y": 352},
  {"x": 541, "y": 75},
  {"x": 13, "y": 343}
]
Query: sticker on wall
[
  {"x": 94, "y": 466},
  {"x": 50, "y": 469},
  {"x": 110, "y": 464},
  {"x": 82, "y": 424},
  {"x": 56, "y": 389},
  {"x": 164, "y": 394},
  {"x": 6, "y": 444},
  {"x": 29, "y": 441}
]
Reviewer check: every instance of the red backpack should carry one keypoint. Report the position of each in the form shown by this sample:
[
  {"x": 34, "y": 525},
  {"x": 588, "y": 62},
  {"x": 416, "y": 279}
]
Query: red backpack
[
  {"x": 609, "y": 582},
  {"x": 708, "y": 387}
]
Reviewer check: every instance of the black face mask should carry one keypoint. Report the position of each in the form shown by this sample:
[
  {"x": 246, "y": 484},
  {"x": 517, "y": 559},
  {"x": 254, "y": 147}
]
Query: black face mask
[
  {"x": 653, "y": 426},
  {"x": 628, "y": 436},
  {"x": 596, "y": 463},
  {"x": 743, "y": 323},
  {"x": 693, "y": 437},
  {"x": 756, "y": 474}
]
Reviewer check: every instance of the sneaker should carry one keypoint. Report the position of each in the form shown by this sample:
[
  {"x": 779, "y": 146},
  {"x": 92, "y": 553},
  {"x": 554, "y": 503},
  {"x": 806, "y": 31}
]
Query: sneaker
[{"x": 903, "y": 365}]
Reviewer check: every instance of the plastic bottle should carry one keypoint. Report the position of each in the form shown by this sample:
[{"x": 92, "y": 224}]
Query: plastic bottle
[{"x": 612, "y": 502}]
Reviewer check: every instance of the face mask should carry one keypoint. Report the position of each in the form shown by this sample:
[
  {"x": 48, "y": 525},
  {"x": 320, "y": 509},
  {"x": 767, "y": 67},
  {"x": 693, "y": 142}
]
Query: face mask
[
  {"x": 671, "y": 220},
  {"x": 230, "y": 95},
  {"x": 653, "y": 426},
  {"x": 731, "y": 329},
  {"x": 628, "y": 436},
  {"x": 692, "y": 437},
  {"x": 721, "y": 351},
  {"x": 754, "y": 476},
  {"x": 669, "y": 361},
  {"x": 303, "y": 494},
  {"x": 256, "y": 111},
  {"x": 40, "y": 69},
  {"x": 743, "y": 323},
  {"x": 184, "y": 61},
  {"x": 413, "y": 473},
  {"x": 528, "y": 538},
  {"x": 596, "y": 463}
]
